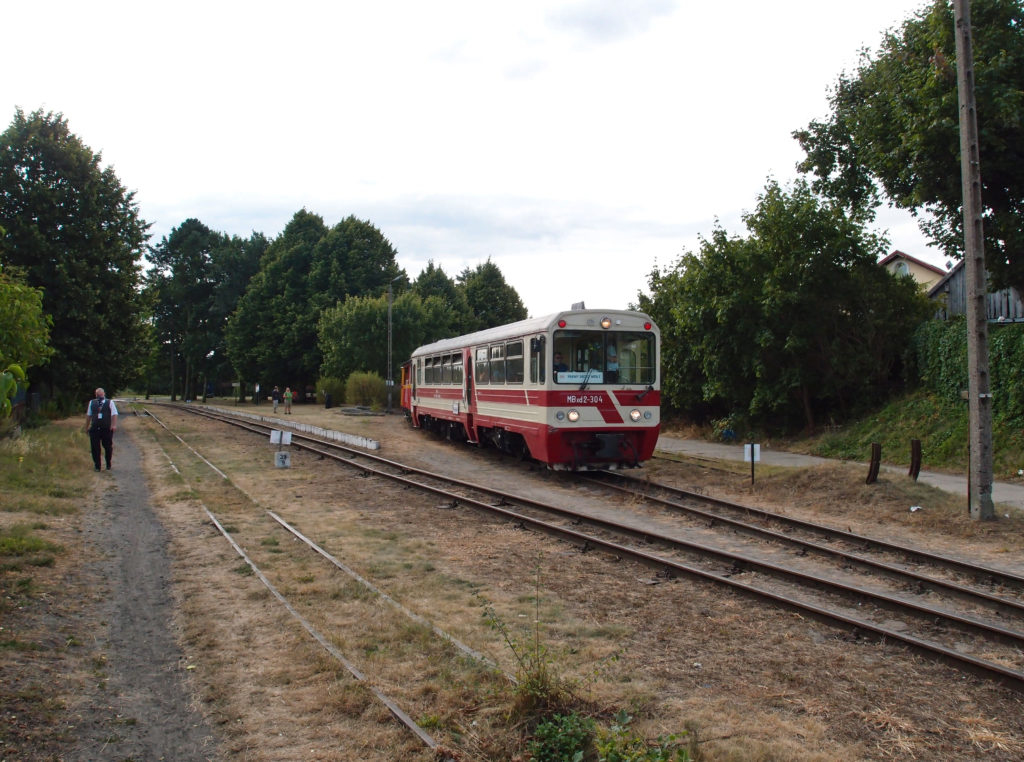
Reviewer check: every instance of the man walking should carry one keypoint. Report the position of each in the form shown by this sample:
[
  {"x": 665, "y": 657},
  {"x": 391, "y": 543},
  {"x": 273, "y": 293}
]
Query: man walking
[{"x": 101, "y": 421}]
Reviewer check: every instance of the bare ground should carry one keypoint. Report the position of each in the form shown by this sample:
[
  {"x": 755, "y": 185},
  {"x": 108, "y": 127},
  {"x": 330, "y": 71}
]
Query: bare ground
[{"x": 202, "y": 659}]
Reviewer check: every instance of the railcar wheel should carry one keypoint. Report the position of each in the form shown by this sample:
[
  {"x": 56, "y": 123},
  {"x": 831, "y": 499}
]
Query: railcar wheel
[{"x": 519, "y": 448}]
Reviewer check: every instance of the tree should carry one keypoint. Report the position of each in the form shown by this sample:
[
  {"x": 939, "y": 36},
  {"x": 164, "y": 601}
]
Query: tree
[
  {"x": 195, "y": 283},
  {"x": 24, "y": 327},
  {"x": 24, "y": 334},
  {"x": 353, "y": 259},
  {"x": 76, "y": 234},
  {"x": 233, "y": 264},
  {"x": 353, "y": 334},
  {"x": 491, "y": 300},
  {"x": 894, "y": 129},
  {"x": 433, "y": 281},
  {"x": 271, "y": 337},
  {"x": 791, "y": 323},
  {"x": 307, "y": 270},
  {"x": 182, "y": 283}
]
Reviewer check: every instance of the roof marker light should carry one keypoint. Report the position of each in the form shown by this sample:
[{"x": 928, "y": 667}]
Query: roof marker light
[
  {"x": 561, "y": 323},
  {"x": 606, "y": 322}
]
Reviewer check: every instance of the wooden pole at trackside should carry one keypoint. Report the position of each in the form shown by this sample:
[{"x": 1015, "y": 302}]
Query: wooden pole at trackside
[{"x": 979, "y": 396}]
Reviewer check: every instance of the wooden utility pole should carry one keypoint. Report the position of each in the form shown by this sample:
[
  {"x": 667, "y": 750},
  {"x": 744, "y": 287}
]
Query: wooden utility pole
[{"x": 980, "y": 398}]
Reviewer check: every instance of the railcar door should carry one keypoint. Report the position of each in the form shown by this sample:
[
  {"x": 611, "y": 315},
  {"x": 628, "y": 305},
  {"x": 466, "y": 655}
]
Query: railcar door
[{"x": 469, "y": 393}]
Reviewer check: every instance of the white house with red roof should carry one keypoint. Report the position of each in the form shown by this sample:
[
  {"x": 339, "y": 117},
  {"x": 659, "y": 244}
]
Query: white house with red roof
[{"x": 925, "y": 274}]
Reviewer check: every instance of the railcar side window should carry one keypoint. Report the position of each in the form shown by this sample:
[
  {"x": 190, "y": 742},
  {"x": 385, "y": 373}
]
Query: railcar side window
[
  {"x": 514, "y": 362},
  {"x": 446, "y": 369},
  {"x": 419, "y": 372},
  {"x": 457, "y": 369},
  {"x": 497, "y": 368},
  {"x": 481, "y": 365}
]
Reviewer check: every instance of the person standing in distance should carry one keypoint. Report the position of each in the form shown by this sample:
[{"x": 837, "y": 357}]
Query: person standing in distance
[
  {"x": 101, "y": 422},
  {"x": 276, "y": 396}
]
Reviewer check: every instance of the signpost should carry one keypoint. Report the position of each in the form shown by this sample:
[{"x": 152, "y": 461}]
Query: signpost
[
  {"x": 752, "y": 454},
  {"x": 282, "y": 458}
]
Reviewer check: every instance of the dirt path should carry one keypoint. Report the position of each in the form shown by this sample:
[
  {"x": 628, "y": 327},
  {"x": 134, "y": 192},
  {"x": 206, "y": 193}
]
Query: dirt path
[{"x": 142, "y": 709}]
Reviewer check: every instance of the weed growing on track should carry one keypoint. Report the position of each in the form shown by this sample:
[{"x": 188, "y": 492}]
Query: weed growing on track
[
  {"x": 547, "y": 705},
  {"x": 539, "y": 690}
]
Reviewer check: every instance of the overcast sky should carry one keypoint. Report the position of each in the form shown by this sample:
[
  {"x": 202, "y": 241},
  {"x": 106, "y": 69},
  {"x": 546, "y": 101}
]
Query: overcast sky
[{"x": 576, "y": 144}]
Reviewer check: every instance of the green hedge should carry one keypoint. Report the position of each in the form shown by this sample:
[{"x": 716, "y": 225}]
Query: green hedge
[{"x": 940, "y": 353}]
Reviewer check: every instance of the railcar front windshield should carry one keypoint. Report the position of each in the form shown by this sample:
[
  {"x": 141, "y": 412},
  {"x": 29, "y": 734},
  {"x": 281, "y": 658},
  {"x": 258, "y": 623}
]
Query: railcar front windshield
[{"x": 603, "y": 357}]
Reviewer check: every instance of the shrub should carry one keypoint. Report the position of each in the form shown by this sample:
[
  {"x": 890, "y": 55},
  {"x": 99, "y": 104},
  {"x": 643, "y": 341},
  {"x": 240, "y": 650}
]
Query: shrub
[
  {"x": 562, "y": 738},
  {"x": 333, "y": 386},
  {"x": 365, "y": 388}
]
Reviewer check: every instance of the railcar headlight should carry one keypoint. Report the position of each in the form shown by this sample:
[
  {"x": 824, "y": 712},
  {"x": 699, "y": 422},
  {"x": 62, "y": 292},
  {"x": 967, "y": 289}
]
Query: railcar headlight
[
  {"x": 574, "y": 415},
  {"x": 606, "y": 322},
  {"x": 560, "y": 416},
  {"x": 634, "y": 414}
]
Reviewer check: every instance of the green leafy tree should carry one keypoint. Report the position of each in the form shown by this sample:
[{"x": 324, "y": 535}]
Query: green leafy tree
[
  {"x": 353, "y": 334},
  {"x": 794, "y": 322},
  {"x": 182, "y": 283},
  {"x": 76, "y": 234},
  {"x": 24, "y": 334},
  {"x": 197, "y": 279},
  {"x": 433, "y": 281},
  {"x": 353, "y": 259},
  {"x": 271, "y": 336},
  {"x": 234, "y": 262},
  {"x": 10, "y": 377},
  {"x": 894, "y": 130},
  {"x": 24, "y": 326},
  {"x": 492, "y": 301}
]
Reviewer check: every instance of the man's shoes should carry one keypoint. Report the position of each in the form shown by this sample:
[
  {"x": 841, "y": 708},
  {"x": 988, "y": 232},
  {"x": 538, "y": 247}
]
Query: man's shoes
[
  {"x": 108, "y": 467},
  {"x": 97, "y": 468}
]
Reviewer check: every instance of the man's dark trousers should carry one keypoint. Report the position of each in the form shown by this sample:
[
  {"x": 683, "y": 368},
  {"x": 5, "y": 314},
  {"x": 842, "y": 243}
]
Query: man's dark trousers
[{"x": 100, "y": 435}]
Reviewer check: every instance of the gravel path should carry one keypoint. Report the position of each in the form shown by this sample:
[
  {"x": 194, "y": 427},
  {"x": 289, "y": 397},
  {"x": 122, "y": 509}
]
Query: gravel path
[{"x": 143, "y": 710}]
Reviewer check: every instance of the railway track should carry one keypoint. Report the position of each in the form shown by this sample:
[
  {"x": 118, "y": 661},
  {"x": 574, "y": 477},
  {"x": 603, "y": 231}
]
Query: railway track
[
  {"x": 319, "y": 631},
  {"x": 977, "y": 630}
]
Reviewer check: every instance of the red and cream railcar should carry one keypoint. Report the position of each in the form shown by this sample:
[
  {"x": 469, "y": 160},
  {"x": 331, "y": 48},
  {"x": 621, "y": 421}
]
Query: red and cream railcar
[{"x": 574, "y": 390}]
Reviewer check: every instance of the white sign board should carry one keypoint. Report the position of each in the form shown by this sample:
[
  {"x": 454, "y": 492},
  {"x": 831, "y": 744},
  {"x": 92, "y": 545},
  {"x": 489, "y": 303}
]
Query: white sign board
[
  {"x": 747, "y": 453},
  {"x": 283, "y": 459},
  {"x": 580, "y": 377},
  {"x": 280, "y": 437}
]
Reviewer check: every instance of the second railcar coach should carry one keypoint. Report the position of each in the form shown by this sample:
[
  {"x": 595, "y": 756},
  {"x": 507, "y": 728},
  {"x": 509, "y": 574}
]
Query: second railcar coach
[{"x": 575, "y": 390}]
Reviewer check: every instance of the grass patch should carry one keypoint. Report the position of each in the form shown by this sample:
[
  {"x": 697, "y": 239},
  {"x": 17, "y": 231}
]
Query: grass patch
[
  {"x": 19, "y": 548},
  {"x": 942, "y": 427},
  {"x": 18, "y": 645},
  {"x": 48, "y": 460}
]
